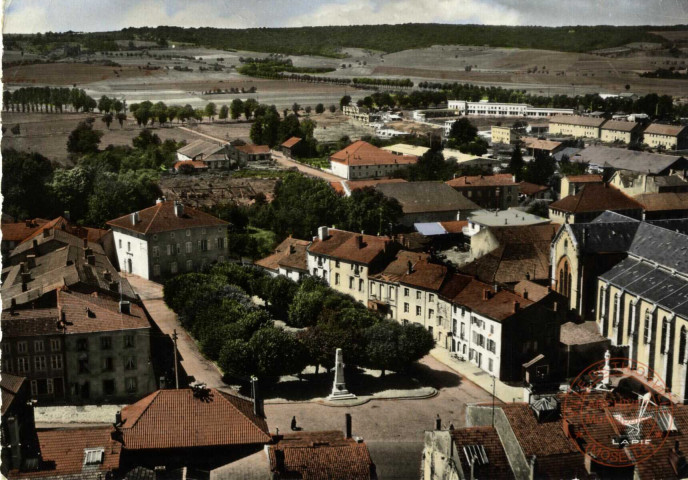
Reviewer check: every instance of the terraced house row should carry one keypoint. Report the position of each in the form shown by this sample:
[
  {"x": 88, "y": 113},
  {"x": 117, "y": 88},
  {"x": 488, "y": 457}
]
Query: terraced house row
[
  {"x": 669, "y": 137},
  {"x": 495, "y": 329}
]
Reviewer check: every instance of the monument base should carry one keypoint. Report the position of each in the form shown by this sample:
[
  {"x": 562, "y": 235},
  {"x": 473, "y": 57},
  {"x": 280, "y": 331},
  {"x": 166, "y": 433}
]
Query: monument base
[{"x": 341, "y": 395}]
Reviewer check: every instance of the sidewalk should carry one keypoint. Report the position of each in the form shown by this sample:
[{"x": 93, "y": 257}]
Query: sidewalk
[{"x": 478, "y": 376}]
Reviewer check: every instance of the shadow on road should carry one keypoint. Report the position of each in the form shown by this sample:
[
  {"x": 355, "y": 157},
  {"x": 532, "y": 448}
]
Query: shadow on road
[{"x": 439, "y": 379}]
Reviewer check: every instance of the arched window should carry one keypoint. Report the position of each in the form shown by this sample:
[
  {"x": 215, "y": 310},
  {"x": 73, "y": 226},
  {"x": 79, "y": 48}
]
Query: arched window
[
  {"x": 682, "y": 345},
  {"x": 665, "y": 335},
  {"x": 647, "y": 332}
]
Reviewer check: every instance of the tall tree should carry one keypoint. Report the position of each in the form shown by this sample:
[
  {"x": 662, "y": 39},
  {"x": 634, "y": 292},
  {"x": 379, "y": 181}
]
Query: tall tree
[
  {"x": 236, "y": 108},
  {"x": 83, "y": 139},
  {"x": 516, "y": 164}
]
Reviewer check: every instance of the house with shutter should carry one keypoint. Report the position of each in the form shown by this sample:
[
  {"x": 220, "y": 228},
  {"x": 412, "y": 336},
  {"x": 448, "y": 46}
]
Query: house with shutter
[{"x": 168, "y": 238}]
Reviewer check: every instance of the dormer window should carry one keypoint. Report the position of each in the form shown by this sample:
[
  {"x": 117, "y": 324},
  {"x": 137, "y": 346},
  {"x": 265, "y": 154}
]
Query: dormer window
[{"x": 93, "y": 456}]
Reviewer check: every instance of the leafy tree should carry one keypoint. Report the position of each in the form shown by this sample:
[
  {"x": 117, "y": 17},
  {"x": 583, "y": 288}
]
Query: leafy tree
[
  {"x": 83, "y": 139},
  {"x": 121, "y": 117},
  {"x": 236, "y": 108},
  {"x": 392, "y": 346},
  {"x": 539, "y": 208},
  {"x": 159, "y": 112},
  {"x": 145, "y": 139},
  {"x": 332, "y": 108},
  {"x": 224, "y": 112},
  {"x": 319, "y": 108},
  {"x": 370, "y": 211},
  {"x": 516, "y": 164},
  {"x": 567, "y": 167},
  {"x": 70, "y": 188},
  {"x": 295, "y": 108},
  {"x": 16, "y": 130},
  {"x": 107, "y": 120},
  {"x": 289, "y": 127},
  {"x": 477, "y": 147},
  {"x": 306, "y": 307},
  {"x": 211, "y": 111},
  {"x": 276, "y": 353},
  {"x": 344, "y": 101},
  {"x": 540, "y": 169},
  {"x": 104, "y": 104},
  {"x": 236, "y": 358},
  {"x": 117, "y": 106},
  {"x": 308, "y": 109},
  {"x": 25, "y": 177},
  {"x": 462, "y": 132},
  {"x": 279, "y": 293},
  {"x": 250, "y": 107}
]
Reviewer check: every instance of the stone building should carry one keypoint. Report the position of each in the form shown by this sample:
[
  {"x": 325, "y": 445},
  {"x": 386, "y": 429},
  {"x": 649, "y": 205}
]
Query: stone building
[
  {"x": 168, "y": 238},
  {"x": 591, "y": 201},
  {"x": 615, "y": 131},
  {"x": 576, "y": 126},
  {"x": 363, "y": 160},
  {"x": 498, "y": 191},
  {"x": 668, "y": 137}
]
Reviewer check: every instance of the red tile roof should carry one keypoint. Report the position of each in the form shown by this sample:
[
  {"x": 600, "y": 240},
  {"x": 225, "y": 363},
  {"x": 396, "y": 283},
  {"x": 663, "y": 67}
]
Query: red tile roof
[
  {"x": 455, "y": 226},
  {"x": 363, "y": 153},
  {"x": 541, "y": 439},
  {"x": 9, "y": 388},
  {"x": 161, "y": 218},
  {"x": 253, "y": 149},
  {"x": 62, "y": 452},
  {"x": 660, "y": 129},
  {"x": 61, "y": 223},
  {"x": 320, "y": 456},
  {"x": 499, "y": 179},
  {"x": 290, "y": 253},
  {"x": 350, "y": 246},
  {"x": 658, "y": 465},
  {"x": 97, "y": 313},
  {"x": 596, "y": 198},
  {"x": 291, "y": 142},
  {"x": 428, "y": 276},
  {"x": 17, "y": 232},
  {"x": 531, "y": 188},
  {"x": 577, "y": 120},
  {"x": 398, "y": 267},
  {"x": 588, "y": 178},
  {"x": 620, "y": 126},
  {"x": 654, "y": 202},
  {"x": 197, "y": 164},
  {"x": 497, "y": 467},
  {"x": 178, "y": 419},
  {"x": 29, "y": 323}
]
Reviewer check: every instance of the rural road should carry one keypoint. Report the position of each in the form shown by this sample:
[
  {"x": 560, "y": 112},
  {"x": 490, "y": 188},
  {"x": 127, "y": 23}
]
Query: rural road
[{"x": 280, "y": 158}]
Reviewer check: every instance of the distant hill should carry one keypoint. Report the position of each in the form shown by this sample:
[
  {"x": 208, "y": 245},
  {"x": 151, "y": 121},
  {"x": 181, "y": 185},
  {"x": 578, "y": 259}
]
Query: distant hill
[{"x": 329, "y": 41}]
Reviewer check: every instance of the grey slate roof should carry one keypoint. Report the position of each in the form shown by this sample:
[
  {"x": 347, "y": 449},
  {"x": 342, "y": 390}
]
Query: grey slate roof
[
  {"x": 416, "y": 197},
  {"x": 622, "y": 159},
  {"x": 200, "y": 149},
  {"x": 569, "y": 151},
  {"x": 602, "y": 237},
  {"x": 652, "y": 283},
  {"x": 665, "y": 247}
]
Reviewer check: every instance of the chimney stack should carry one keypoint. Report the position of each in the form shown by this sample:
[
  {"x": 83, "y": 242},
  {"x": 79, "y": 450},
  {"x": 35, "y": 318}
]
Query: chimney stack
[
  {"x": 23, "y": 267},
  {"x": 323, "y": 233},
  {"x": 13, "y": 305},
  {"x": 292, "y": 249},
  {"x": 85, "y": 242},
  {"x": 46, "y": 232},
  {"x": 134, "y": 218},
  {"x": 31, "y": 260},
  {"x": 257, "y": 399},
  {"x": 438, "y": 422},
  {"x": 91, "y": 259},
  {"x": 25, "y": 277},
  {"x": 409, "y": 268},
  {"x": 359, "y": 241},
  {"x": 516, "y": 306},
  {"x": 124, "y": 307},
  {"x": 347, "y": 425},
  {"x": 107, "y": 275},
  {"x": 35, "y": 245},
  {"x": 179, "y": 209},
  {"x": 486, "y": 294},
  {"x": 555, "y": 307}
]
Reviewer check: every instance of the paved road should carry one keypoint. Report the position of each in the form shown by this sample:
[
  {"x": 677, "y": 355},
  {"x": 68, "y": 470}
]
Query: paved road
[
  {"x": 280, "y": 158},
  {"x": 193, "y": 362},
  {"x": 392, "y": 429}
]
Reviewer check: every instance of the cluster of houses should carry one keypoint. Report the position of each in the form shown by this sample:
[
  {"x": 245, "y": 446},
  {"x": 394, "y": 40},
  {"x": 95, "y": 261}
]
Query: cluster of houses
[{"x": 207, "y": 155}]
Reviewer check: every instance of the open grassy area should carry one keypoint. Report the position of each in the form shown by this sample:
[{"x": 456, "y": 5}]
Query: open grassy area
[
  {"x": 319, "y": 162},
  {"x": 266, "y": 239}
]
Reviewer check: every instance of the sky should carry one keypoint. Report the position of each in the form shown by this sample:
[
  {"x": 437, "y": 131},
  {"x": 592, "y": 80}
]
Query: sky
[{"x": 31, "y": 16}]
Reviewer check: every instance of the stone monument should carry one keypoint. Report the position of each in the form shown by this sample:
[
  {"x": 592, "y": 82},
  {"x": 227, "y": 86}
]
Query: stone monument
[{"x": 339, "y": 391}]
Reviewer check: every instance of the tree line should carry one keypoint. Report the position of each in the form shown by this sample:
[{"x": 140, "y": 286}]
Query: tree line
[
  {"x": 216, "y": 308},
  {"x": 47, "y": 99}
]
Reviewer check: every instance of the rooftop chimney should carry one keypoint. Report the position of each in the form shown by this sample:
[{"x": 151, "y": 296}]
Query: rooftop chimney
[
  {"x": 13, "y": 305},
  {"x": 124, "y": 307},
  {"x": 525, "y": 294},
  {"x": 23, "y": 267},
  {"x": 107, "y": 275},
  {"x": 91, "y": 259},
  {"x": 516, "y": 306},
  {"x": 359, "y": 241},
  {"x": 46, "y": 232},
  {"x": 409, "y": 267},
  {"x": 486, "y": 294},
  {"x": 292, "y": 249},
  {"x": 31, "y": 261},
  {"x": 323, "y": 233},
  {"x": 134, "y": 218},
  {"x": 29, "y": 223},
  {"x": 26, "y": 277},
  {"x": 87, "y": 252},
  {"x": 438, "y": 422},
  {"x": 555, "y": 306},
  {"x": 178, "y": 209},
  {"x": 35, "y": 245},
  {"x": 85, "y": 242},
  {"x": 257, "y": 399},
  {"x": 347, "y": 425}
]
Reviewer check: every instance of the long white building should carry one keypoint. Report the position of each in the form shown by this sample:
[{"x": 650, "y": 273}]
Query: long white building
[{"x": 493, "y": 109}]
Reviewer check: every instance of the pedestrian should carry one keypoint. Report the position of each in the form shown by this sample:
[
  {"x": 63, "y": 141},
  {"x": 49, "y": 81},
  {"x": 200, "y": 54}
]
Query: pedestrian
[{"x": 293, "y": 422}]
